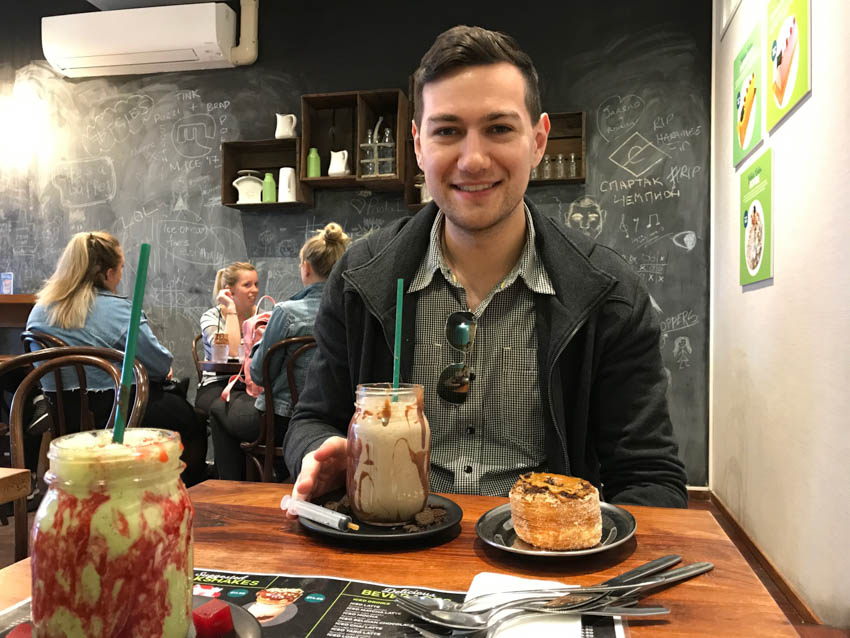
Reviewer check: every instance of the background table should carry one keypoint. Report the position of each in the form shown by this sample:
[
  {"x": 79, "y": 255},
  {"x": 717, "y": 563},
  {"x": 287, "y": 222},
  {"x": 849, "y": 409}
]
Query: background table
[
  {"x": 230, "y": 367},
  {"x": 239, "y": 526}
]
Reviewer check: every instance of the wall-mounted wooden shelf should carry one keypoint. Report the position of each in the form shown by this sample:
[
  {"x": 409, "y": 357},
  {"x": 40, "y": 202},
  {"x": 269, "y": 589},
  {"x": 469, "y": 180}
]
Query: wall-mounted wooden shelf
[
  {"x": 340, "y": 121},
  {"x": 265, "y": 156},
  {"x": 566, "y": 136}
]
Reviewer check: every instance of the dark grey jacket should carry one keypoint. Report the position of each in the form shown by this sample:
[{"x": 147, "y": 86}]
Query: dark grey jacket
[{"x": 601, "y": 375}]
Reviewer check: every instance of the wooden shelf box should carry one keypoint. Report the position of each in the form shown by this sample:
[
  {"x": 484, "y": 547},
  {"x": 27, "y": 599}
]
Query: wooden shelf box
[
  {"x": 265, "y": 156},
  {"x": 566, "y": 136}
]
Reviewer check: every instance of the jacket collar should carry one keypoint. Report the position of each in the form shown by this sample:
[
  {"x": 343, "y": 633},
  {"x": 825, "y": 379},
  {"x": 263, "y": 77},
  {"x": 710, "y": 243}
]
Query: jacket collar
[
  {"x": 313, "y": 290},
  {"x": 579, "y": 284}
]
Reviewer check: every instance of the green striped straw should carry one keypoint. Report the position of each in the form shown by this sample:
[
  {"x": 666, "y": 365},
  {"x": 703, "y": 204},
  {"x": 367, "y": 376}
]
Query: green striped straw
[
  {"x": 399, "y": 295},
  {"x": 130, "y": 346}
]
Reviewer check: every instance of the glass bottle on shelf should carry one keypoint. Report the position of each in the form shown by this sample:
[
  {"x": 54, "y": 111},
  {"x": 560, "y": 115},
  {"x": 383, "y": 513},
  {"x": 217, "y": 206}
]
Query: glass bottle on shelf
[
  {"x": 314, "y": 163},
  {"x": 269, "y": 189},
  {"x": 386, "y": 153},
  {"x": 546, "y": 168},
  {"x": 572, "y": 168},
  {"x": 368, "y": 162},
  {"x": 535, "y": 174},
  {"x": 560, "y": 167}
]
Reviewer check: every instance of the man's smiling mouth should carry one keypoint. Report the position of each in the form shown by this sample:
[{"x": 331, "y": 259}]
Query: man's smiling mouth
[{"x": 473, "y": 188}]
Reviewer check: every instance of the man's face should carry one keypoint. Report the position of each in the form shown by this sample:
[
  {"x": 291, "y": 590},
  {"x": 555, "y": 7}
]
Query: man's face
[{"x": 477, "y": 145}]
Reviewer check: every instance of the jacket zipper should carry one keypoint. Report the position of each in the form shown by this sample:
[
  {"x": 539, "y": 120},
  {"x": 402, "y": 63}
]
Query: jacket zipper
[{"x": 562, "y": 434}]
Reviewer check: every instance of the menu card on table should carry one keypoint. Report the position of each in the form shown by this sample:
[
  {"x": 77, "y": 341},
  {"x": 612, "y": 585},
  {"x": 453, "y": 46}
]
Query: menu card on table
[{"x": 288, "y": 606}]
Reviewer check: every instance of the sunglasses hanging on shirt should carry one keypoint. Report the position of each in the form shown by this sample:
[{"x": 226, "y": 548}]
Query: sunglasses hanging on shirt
[{"x": 454, "y": 381}]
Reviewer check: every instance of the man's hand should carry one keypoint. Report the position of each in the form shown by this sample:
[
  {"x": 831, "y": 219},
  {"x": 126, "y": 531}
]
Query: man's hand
[
  {"x": 225, "y": 299},
  {"x": 322, "y": 470}
]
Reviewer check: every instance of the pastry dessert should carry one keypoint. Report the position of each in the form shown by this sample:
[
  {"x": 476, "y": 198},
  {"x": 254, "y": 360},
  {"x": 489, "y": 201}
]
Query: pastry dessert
[
  {"x": 553, "y": 511},
  {"x": 272, "y": 601}
]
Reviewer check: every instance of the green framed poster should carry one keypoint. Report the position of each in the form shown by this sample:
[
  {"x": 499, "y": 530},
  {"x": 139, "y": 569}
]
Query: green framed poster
[
  {"x": 788, "y": 54},
  {"x": 749, "y": 93},
  {"x": 756, "y": 220}
]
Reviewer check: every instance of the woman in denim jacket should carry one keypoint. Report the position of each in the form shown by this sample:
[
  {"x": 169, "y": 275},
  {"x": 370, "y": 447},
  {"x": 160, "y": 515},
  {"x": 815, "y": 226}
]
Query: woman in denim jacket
[
  {"x": 80, "y": 305},
  {"x": 239, "y": 419}
]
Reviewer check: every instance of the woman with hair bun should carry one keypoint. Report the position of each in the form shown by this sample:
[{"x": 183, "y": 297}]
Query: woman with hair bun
[
  {"x": 80, "y": 305},
  {"x": 239, "y": 419},
  {"x": 234, "y": 294}
]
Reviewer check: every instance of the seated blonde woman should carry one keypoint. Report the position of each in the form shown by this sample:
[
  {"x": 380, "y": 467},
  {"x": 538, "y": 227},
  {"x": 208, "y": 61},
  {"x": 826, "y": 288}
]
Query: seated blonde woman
[
  {"x": 80, "y": 304},
  {"x": 234, "y": 294},
  {"x": 239, "y": 419}
]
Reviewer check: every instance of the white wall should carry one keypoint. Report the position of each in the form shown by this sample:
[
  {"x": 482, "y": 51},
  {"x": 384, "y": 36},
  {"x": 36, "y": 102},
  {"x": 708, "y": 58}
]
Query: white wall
[{"x": 780, "y": 367}]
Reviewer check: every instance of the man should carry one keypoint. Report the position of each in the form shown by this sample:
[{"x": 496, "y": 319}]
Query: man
[{"x": 566, "y": 370}]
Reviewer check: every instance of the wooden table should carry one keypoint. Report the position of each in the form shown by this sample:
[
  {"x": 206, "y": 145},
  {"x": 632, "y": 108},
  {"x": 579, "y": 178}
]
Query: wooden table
[
  {"x": 15, "y": 309},
  {"x": 229, "y": 367},
  {"x": 239, "y": 526}
]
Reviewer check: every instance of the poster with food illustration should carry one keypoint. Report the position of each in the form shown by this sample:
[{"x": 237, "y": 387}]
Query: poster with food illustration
[
  {"x": 756, "y": 221},
  {"x": 788, "y": 53},
  {"x": 749, "y": 93}
]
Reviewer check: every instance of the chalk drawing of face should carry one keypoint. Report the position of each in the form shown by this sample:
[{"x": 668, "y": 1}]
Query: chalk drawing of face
[{"x": 584, "y": 215}]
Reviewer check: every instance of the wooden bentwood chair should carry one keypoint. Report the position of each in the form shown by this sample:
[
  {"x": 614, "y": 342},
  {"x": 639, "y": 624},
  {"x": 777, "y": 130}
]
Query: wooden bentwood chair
[
  {"x": 262, "y": 452},
  {"x": 51, "y": 359},
  {"x": 196, "y": 358}
]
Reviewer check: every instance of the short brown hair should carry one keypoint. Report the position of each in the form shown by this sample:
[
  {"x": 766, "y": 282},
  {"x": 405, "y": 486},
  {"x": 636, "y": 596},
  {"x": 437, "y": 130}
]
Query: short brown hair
[{"x": 463, "y": 46}]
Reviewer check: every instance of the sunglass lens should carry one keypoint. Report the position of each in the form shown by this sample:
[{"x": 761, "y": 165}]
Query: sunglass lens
[
  {"x": 453, "y": 384},
  {"x": 460, "y": 330}
]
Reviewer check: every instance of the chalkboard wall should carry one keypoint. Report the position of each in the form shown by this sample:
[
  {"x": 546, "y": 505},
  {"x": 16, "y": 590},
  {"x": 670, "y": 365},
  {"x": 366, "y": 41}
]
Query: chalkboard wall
[{"x": 140, "y": 156}]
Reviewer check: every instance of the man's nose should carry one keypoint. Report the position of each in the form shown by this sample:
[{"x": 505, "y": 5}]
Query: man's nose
[{"x": 474, "y": 157}]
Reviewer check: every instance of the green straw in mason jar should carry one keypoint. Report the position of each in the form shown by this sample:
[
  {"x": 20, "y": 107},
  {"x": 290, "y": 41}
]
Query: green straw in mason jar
[
  {"x": 399, "y": 296},
  {"x": 130, "y": 346}
]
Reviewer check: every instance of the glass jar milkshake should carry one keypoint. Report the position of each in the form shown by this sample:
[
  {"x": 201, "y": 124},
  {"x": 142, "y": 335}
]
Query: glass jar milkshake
[
  {"x": 112, "y": 539},
  {"x": 389, "y": 454}
]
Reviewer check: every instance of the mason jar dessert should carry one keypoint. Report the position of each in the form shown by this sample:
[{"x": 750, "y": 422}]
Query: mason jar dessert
[
  {"x": 389, "y": 454},
  {"x": 112, "y": 539}
]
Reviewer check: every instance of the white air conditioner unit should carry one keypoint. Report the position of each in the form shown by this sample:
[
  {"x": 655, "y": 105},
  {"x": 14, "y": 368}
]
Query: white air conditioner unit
[{"x": 146, "y": 40}]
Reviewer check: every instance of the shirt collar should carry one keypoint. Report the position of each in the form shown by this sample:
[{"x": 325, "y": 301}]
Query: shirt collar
[{"x": 528, "y": 266}]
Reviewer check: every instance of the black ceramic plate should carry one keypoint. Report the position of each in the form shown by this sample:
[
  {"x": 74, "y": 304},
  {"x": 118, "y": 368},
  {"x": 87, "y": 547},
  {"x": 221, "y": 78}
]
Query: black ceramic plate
[
  {"x": 376, "y": 533},
  {"x": 497, "y": 529},
  {"x": 244, "y": 624}
]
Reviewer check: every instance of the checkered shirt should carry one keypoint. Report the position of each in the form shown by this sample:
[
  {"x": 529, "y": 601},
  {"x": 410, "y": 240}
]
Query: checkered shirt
[{"x": 482, "y": 445}]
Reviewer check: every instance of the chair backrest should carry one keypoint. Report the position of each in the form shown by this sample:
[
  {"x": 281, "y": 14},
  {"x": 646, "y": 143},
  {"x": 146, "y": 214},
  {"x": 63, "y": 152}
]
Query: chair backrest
[
  {"x": 52, "y": 359},
  {"x": 108, "y": 354},
  {"x": 196, "y": 358},
  {"x": 34, "y": 341},
  {"x": 264, "y": 447}
]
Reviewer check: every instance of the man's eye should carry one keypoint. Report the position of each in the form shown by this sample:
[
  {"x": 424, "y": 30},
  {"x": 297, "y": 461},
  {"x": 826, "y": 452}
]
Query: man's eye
[
  {"x": 444, "y": 132},
  {"x": 500, "y": 129},
  {"x": 593, "y": 217},
  {"x": 577, "y": 217}
]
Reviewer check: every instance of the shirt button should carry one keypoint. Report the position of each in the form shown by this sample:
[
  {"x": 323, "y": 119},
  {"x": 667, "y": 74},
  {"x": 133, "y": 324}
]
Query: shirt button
[
  {"x": 470, "y": 430},
  {"x": 468, "y": 469}
]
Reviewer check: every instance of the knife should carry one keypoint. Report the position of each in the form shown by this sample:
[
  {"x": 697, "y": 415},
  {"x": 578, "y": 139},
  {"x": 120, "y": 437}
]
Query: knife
[{"x": 647, "y": 569}]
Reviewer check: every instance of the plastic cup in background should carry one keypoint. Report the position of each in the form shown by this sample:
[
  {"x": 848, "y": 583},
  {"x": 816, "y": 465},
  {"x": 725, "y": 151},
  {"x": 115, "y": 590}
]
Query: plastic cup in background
[
  {"x": 240, "y": 353},
  {"x": 219, "y": 352}
]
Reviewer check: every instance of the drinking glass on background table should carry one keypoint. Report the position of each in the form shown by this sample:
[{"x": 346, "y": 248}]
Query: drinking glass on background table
[
  {"x": 112, "y": 539},
  {"x": 220, "y": 347},
  {"x": 389, "y": 454}
]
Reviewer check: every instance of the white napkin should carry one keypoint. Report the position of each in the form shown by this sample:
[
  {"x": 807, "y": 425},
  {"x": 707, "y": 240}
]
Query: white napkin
[{"x": 551, "y": 626}]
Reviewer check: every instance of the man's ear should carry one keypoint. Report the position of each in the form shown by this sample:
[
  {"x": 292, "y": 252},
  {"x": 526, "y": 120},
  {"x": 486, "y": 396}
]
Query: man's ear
[
  {"x": 417, "y": 143},
  {"x": 541, "y": 136}
]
